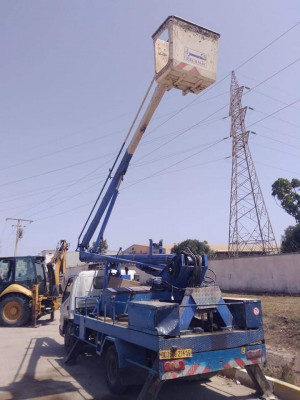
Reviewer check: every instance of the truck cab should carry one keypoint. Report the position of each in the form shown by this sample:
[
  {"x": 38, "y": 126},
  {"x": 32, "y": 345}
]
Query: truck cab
[{"x": 85, "y": 283}]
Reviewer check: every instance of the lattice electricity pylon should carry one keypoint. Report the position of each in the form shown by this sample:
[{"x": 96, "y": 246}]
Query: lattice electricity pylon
[{"x": 250, "y": 228}]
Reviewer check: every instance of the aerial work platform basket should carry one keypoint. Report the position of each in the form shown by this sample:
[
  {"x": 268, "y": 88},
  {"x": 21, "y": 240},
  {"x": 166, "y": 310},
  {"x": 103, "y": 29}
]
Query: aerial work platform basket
[{"x": 187, "y": 58}]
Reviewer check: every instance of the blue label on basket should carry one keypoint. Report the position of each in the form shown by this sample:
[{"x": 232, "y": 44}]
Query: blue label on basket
[{"x": 195, "y": 57}]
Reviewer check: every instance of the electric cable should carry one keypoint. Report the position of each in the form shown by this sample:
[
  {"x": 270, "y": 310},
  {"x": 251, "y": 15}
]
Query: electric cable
[
  {"x": 55, "y": 195},
  {"x": 276, "y": 167},
  {"x": 157, "y": 173},
  {"x": 280, "y": 132},
  {"x": 124, "y": 188},
  {"x": 278, "y": 150},
  {"x": 53, "y": 170},
  {"x": 272, "y": 76},
  {"x": 185, "y": 130},
  {"x": 268, "y": 45},
  {"x": 273, "y": 98},
  {"x": 278, "y": 141},
  {"x": 176, "y": 163},
  {"x": 275, "y": 112},
  {"x": 278, "y": 119}
]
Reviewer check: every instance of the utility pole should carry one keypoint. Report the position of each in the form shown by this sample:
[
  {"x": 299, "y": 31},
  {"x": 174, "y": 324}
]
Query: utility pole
[
  {"x": 249, "y": 224},
  {"x": 19, "y": 231}
]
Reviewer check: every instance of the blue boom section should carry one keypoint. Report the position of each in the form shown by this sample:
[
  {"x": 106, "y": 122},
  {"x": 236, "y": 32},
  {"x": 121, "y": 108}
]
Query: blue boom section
[
  {"x": 109, "y": 198},
  {"x": 177, "y": 271}
]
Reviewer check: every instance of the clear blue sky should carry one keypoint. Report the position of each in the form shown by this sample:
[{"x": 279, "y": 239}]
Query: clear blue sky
[{"x": 73, "y": 74}]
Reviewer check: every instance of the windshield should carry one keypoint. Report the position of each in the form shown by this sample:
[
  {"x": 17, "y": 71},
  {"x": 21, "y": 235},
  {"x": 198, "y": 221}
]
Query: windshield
[{"x": 5, "y": 271}]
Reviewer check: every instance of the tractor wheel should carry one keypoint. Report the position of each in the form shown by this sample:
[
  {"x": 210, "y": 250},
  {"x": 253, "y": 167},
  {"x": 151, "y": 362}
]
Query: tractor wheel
[
  {"x": 112, "y": 371},
  {"x": 14, "y": 310}
]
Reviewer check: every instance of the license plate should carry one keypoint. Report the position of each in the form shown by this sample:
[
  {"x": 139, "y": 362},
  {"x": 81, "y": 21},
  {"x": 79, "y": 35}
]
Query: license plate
[{"x": 179, "y": 353}]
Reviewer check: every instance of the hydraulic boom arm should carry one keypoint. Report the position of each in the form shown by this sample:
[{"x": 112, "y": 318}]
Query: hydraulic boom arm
[
  {"x": 187, "y": 61},
  {"x": 109, "y": 198}
]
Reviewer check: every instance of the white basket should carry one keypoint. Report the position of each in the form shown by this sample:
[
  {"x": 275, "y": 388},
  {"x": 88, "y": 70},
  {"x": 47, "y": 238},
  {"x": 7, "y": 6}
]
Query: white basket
[{"x": 187, "y": 60}]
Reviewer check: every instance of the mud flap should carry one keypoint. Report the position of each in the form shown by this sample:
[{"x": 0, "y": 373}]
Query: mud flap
[
  {"x": 261, "y": 384},
  {"x": 73, "y": 353},
  {"x": 152, "y": 385}
]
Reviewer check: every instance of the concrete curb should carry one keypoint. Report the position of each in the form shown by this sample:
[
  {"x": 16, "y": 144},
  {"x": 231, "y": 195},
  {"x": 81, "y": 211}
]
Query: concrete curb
[{"x": 283, "y": 390}]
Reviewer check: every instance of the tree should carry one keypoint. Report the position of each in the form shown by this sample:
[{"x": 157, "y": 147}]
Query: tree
[
  {"x": 102, "y": 248},
  {"x": 194, "y": 245},
  {"x": 290, "y": 241},
  {"x": 288, "y": 193}
]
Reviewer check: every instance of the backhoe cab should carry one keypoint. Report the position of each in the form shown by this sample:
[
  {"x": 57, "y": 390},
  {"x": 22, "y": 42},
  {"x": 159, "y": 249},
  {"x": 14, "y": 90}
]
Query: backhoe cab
[
  {"x": 18, "y": 275},
  {"x": 29, "y": 288}
]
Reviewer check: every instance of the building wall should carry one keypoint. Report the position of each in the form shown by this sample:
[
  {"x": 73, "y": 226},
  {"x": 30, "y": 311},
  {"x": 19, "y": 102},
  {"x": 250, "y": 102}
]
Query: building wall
[{"x": 262, "y": 274}]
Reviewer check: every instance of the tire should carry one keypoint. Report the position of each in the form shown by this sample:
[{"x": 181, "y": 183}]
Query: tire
[
  {"x": 69, "y": 339},
  {"x": 113, "y": 372},
  {"x": 14, "y": 310}
]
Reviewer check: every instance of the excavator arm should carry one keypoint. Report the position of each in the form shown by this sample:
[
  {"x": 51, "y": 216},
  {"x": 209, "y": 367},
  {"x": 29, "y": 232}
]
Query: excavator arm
[{"x": 57, "y": 264}]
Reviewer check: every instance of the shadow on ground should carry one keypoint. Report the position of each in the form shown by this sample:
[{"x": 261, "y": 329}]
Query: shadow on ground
[{"x": 42, "y": 373}]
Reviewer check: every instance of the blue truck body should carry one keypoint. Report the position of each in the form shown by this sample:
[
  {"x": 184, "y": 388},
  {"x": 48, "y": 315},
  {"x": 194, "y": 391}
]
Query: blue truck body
[{"x": 195, "y": 332}]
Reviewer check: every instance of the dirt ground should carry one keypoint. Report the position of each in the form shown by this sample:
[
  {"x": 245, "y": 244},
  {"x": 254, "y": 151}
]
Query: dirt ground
[{"x": 281, "y": 317}]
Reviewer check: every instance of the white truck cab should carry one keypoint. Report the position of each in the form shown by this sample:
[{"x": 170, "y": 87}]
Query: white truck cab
[{"x": 86, "y": 283}]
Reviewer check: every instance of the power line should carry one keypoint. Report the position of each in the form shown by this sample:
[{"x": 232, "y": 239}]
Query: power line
[
  {"x": 61, "y": 150},
  {"x": 273, "y": 98},
  {"x": 55, "y": 170},
  {"x": 279, "y": 141},
  {"x": 275, "y": 112},
  {"x": 276, "y": 167},
  {"x": 268, "y": 45},
  {"x": 156, "y": 173},
  {"x": 275, "y": 73},
  {"x": 209, "y": 145},
  {"x": 186, "y": 130},
  {"x": 176, "y": 163},
  {"x": 278, "y": 119},
  {"x": 280, "y": 132},
  {"x": 278, "y": 150},
  {"x": 127, "y": 187},
  {"x": 276, "y": 88},
  {"x": 137, "y": 165}
]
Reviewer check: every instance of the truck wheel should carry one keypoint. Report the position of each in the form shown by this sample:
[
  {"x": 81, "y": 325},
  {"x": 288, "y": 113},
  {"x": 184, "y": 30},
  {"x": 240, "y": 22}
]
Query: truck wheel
[
  {"x": 69, "y": 338},
  {"x": 14, "y": 310},
  {"x": 112, "y": 371}
]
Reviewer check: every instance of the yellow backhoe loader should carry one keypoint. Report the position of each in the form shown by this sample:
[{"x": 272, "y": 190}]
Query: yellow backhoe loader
[{"x": 29, "y": 288}]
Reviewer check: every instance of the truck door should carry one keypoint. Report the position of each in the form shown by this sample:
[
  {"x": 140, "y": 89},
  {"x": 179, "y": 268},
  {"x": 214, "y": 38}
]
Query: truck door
[
  {"x": 65, "y": 313},
  {"x": 41, "y": 276},
  {"x": 24, "y": 272},
  {"x": 6, "y": 273}
]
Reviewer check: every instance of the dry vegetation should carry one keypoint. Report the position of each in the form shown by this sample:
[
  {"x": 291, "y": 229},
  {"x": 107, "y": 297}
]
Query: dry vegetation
[{"x": 281, "y": 316}]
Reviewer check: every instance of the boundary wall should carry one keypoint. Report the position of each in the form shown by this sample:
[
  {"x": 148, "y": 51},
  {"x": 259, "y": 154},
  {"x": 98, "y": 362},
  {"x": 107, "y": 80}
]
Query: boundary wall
[{"x": 261, "y": 274}]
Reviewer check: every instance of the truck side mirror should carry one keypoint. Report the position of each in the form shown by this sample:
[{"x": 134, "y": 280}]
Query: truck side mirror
[{"x": 98, "y": 282}]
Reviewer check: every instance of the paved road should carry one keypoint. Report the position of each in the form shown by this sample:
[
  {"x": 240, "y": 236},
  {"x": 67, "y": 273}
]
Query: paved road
[{"x": 32, "y": 367}]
